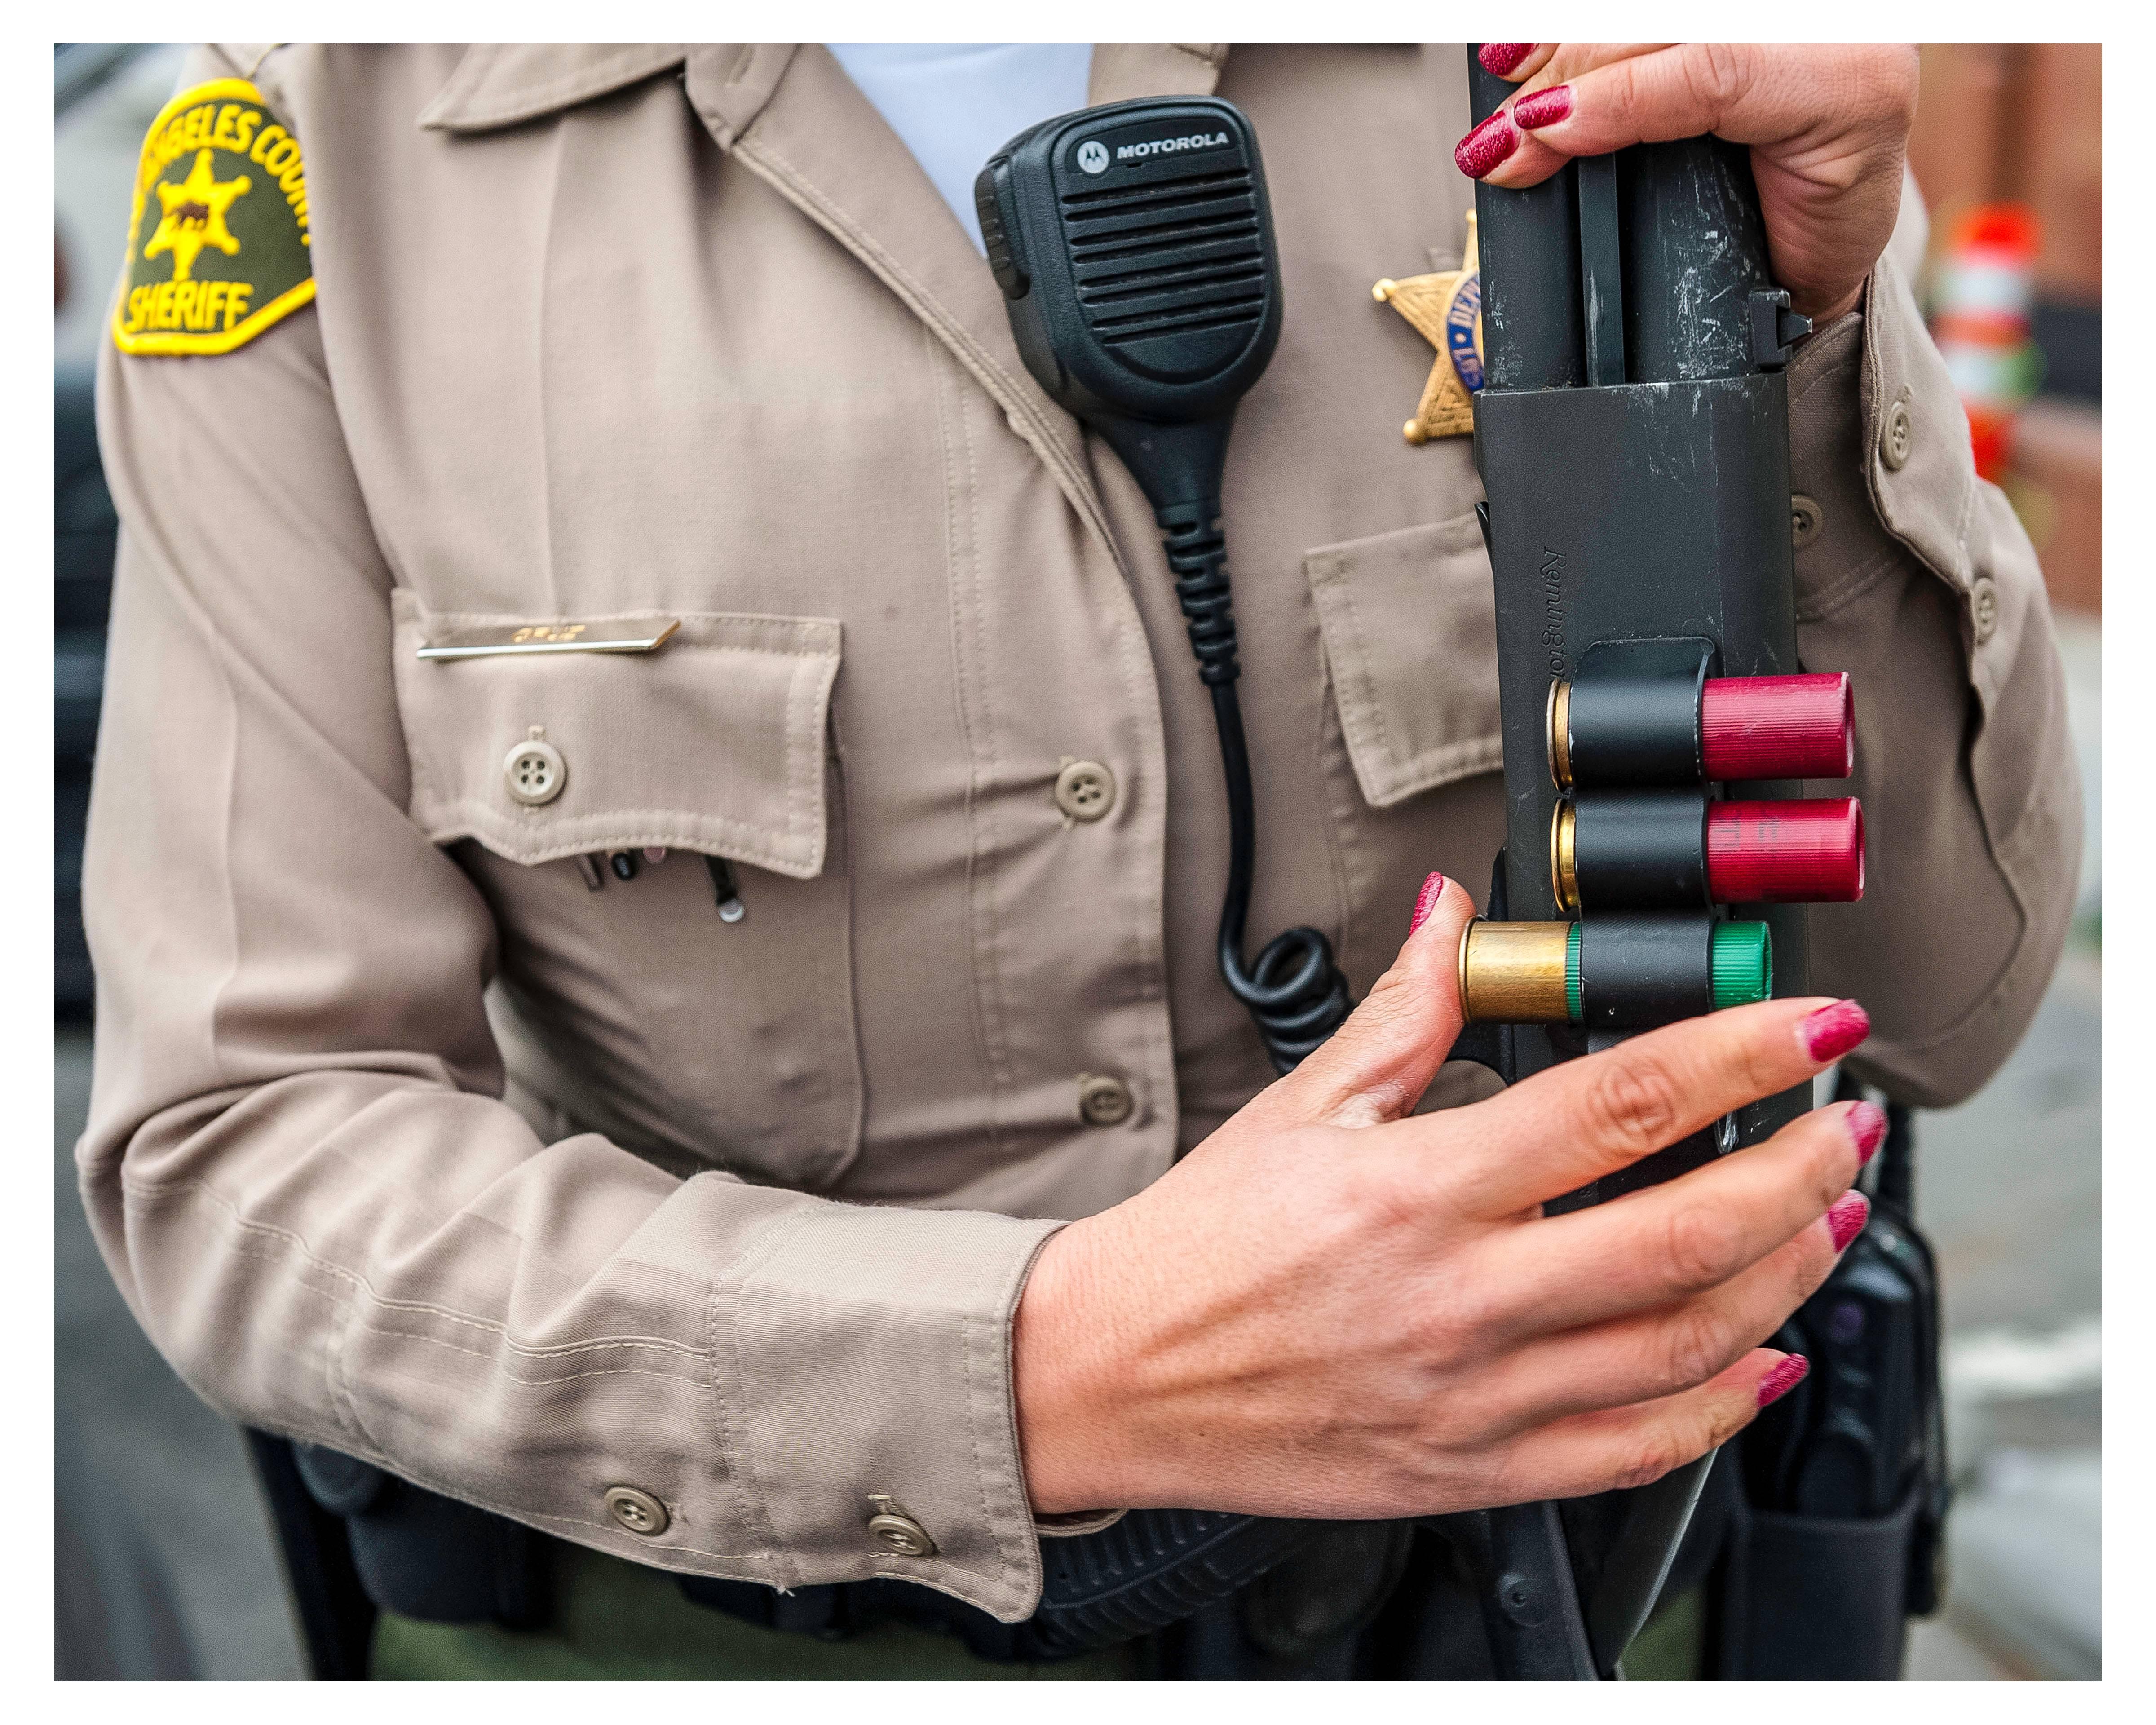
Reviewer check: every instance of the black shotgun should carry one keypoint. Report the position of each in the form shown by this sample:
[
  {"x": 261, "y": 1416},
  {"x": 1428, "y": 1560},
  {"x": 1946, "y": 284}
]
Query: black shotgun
[{"x": 1632, "y": 437}]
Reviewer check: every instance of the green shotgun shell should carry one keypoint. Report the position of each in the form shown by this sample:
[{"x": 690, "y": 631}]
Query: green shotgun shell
[{"x": 1741, "y": 962}]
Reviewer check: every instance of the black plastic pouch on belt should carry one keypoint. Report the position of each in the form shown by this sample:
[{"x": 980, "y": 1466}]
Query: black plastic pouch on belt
[{"x": 1838, "y": 1537}]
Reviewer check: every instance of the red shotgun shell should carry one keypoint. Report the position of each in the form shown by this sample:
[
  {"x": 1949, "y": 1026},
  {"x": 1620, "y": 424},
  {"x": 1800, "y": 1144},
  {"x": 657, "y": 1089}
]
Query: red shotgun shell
[
  {"x": 1778, "y": 727},
  {"x": 1794, "y": 853}
]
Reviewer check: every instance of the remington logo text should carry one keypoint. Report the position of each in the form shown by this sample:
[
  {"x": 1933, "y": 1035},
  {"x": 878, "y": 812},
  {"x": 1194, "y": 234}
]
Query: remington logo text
[
  {"x": 1166, "y": 147},
  {"x": 1552, "y": 636}
]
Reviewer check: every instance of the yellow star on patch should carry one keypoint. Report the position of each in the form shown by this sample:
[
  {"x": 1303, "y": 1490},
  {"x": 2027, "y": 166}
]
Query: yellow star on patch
[
  {"x": 194, "y": 217},
  {"x": 1447, "y": 308}
]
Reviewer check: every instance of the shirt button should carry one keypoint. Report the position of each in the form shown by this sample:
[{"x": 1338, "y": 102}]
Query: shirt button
[
  {"x": 1896, "y": 437},
  {"x": 1103, "y": 1100},
  {"x": 1805, "y": 521},
  {"x": 1983, "y": 609},
  {"x": 1085, "y": 790},
  {"x": 895, "y": 1531},
  {"x": 535, "y": 772},
  {"x": 639, "y": 1512}
]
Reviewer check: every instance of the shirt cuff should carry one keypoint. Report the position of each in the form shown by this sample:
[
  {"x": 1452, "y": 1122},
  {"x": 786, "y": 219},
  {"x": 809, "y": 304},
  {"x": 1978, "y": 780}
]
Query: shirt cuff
[{"x": 869, "y": 1356}]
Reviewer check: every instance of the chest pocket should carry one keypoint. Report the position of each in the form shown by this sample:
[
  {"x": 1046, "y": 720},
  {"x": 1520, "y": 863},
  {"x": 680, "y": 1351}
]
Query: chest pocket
[
  {"x": 1410, "y": 630},
  {"x": 696, "y": 1038}
]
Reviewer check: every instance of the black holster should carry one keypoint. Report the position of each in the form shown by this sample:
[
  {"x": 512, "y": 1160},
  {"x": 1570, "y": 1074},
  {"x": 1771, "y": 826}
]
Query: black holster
[
  {"x": 425, "y": 1556},
  {"x": 1806, "y": 1598}
]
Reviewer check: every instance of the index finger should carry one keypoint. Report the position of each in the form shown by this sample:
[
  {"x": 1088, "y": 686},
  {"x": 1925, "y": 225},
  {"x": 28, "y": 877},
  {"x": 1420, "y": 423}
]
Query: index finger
[
  {"x": 1576, "y": 1121},
  {"x": 1745, "y": 92},
  {"x": 1514, "y": 61},
  {"x": 1512, "y": 148},
  {"x": 1532, "y": 65}
]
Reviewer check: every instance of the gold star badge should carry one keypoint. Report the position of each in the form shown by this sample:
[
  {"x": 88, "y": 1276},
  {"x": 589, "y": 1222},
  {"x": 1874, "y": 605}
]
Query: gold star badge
[
  {"x": 194, "y": 217},
  {"x": 1447, "y": 308}
]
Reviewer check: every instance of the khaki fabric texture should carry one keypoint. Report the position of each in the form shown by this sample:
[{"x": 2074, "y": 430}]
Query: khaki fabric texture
[{"x": 406, "y": 1142}]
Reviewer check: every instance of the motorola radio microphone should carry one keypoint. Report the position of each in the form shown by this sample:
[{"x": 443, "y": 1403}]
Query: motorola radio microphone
[{"x": 1135, "y": 250}]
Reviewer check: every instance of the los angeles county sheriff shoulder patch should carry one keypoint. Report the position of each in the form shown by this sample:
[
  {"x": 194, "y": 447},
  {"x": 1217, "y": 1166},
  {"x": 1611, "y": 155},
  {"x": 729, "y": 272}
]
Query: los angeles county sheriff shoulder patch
[{"x": 217, "y": 247}]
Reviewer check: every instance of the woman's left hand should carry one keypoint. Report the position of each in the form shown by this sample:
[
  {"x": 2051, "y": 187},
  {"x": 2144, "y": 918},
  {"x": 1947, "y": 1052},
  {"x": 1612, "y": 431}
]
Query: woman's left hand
[{"x": 1828, "y": 125}]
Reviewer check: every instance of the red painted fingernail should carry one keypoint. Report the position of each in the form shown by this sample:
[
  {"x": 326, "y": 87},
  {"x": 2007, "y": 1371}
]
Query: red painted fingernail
[
  {"x": 1867, "y": 1126},
  {"x": 1845, "y": 1217},
  {"x": 1499, "y": 58},
  {"x": 1433, "y": 889},
  {"x": 1489, "y": 144},
  {"x": 1832, "y": 1031},
  {"x": 1545, "y": 107},
  {"x": 1787, "y": 1374}
]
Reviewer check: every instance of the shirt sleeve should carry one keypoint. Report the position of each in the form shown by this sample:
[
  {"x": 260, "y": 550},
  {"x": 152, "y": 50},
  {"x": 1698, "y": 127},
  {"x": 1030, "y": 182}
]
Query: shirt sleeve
[
  {"x": 298, "y": 1165},
  {"x": 1918, "y": 580}
]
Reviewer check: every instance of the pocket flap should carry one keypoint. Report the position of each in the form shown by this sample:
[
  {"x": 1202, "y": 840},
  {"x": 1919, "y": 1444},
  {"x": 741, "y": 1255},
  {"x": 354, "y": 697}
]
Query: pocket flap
[
  {"x": 711, "y": 741},
  {"x": 1410, "y": 627}
]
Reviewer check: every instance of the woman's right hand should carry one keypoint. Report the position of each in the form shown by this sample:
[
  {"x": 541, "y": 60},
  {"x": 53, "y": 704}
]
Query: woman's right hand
[{"x": 1331, "y": 1308}]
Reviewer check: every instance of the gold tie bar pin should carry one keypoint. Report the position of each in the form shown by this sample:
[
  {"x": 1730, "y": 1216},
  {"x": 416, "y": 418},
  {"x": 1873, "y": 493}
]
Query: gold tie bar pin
[{"x": 611, "y": 634}]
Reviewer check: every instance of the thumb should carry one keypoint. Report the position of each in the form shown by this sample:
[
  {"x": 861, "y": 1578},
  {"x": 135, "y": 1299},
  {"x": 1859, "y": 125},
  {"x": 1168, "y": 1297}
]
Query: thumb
[{"x": 1377, "y": 1065}]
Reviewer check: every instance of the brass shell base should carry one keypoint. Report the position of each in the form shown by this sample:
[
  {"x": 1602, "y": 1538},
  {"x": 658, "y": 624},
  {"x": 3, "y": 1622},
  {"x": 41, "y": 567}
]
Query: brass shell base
[{"x": 1513, "y": 972}]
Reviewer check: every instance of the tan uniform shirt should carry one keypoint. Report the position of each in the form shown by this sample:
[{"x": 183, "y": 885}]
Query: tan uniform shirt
[{"x": 666, "y": 333}]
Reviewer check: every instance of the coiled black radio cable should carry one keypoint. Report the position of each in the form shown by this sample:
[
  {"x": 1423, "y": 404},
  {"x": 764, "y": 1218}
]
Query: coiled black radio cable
[{"x": 1295, "y": 992}]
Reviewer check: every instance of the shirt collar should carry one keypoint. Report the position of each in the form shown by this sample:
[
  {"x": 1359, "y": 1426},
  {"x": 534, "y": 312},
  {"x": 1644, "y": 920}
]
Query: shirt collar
[{"x": 497, "y": 84}]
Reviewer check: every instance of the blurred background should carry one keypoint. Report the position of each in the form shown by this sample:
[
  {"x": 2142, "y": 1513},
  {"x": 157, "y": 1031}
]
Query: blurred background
[{"x": 164, "y": 1561}]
